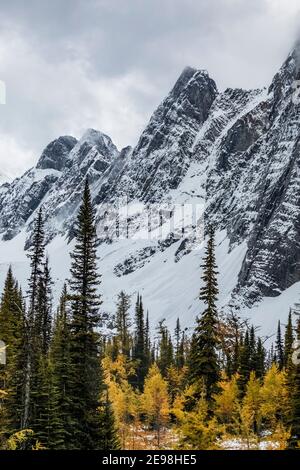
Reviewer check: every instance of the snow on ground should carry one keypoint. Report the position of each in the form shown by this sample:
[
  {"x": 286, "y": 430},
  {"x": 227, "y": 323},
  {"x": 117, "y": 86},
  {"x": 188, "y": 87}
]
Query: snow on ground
[
  {"x": 241, "y": 444},
  {"x": 270, "y": 310}
]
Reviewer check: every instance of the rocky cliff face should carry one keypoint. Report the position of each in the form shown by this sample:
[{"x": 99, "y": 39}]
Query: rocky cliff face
[{"x": 235, "y": 151}]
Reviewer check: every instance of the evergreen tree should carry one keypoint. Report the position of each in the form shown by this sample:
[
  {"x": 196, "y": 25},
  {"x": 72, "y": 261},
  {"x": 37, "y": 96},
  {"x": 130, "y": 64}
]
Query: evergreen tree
[
  {"x": 114, "y": 348},
  {"x": 288, "y": 340},
  {"x": 41, "y": 399},
  {"x": 32, "y": 346},
  {"x": 245, "y": 366},
  {"x": 252, "y": 349},
  {"x": 123, "y": 323},
  {"x": 260, "y": 360},
  {"x": 203, "y": 360},
  {"x": 36, "y": 256},
  {"x": 61, "y": 421},
  {"x": 279, "y": 348},
  {"x": 41, "y": 379},
  {"x": 165, "y": 355},
  {"x": 235, "y": 327},
  {"x": 37, "y": 382},
  {"x": 153, "y": 354},
  {"x": 43, "y": 318},
  {"x": 182, "y": 355},
  {"x": 12, "y": 333},
  {"x": 85, "y": 343},
  {"x": 271, "y": 359},
  {"x": 139, "y": 352},
  {"x": 147, "y": 343},
  {"x": 110, "y": 439},
  {"x": 16, "y": 400},
  {"x": 179, "y": 359}
]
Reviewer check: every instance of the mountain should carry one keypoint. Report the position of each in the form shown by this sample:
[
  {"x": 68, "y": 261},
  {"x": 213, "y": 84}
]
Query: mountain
[{"x": 230, "y": 158}]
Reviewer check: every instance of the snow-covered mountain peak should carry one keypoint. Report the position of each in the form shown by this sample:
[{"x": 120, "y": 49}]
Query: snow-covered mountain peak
[
  {"x": 96, "y": 138},
  {"x": 56, "y": 153},
  {"x": 93, "y": 145},
  {"x": 186, "y": 77}
]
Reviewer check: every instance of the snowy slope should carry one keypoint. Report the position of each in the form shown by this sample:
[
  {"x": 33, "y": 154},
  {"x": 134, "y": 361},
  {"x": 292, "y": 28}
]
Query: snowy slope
[
  {"x": 169, "y": 290},
  {"x": 230, "y": 158}
]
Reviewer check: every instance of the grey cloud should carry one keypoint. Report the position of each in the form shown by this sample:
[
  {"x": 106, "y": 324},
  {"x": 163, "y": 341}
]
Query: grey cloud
[{"x": 74, "y": 64}]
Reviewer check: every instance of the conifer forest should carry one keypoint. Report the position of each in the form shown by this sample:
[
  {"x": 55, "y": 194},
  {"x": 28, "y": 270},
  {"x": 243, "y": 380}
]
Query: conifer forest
[{"x": 149, "y": 233}]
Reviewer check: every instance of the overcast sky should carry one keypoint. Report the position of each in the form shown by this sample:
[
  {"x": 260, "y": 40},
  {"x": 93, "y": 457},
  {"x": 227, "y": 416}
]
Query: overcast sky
[{"x": 73, "y": 64}]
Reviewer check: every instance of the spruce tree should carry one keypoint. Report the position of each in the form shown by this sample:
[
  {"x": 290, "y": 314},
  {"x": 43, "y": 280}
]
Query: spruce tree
[
  {"x": 38, "y": 388},
  {"x": 165, "y": 355},
  {"x": 260, "y": 360},
  {"x": 252, "y": 349},
  {"x": 41, "y": 380},
  {"x": 32, "y": 345},
  {"x": 87, "y": 380},
  {"x": 12, "y": 332},
  {"x": 178, "y": 354},
  {"x": 288, "y": 340},
  {"x": 114, "y": 348},
  {"x": 147, "y": 343},
  {"x": 279, "y": 348},
  {"x": 41, "y": 394},
  {"x": 110, "y": 439},
  {"x": 123, "y": 323},
  {"x": 139, "y": 350},
  {"x": 231, "y": 342},
  {"x": 203, "y": 359},
  {"x": 18, "y": 375},
  {"x": 181, "y": 354},
  {"x": 245, "y": 363},
  {"x": 36, "y": 256},
  {"x": 43, "y": 318},
  {"x": 236, "y": 344},
  {"x": 61, "y": 422},
  {"x": 271, "y": 357}
]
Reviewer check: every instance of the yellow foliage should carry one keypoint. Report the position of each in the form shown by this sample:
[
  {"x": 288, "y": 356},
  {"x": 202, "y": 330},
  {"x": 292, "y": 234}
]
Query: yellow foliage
[
  {"x": 3, "y": 394},
  {"x": 250, "y": 411},
  {"x": 227, "y": 402},
  {"x": 178, "y": 408},
  {"x": 124, "y": 399},
  {"x": 155, "y": 400},
  {"x": 279, "y": 438},
  {"x": 175, "y": 379},
  {"x": 198, "y": 431},
  {"x": 274, "y": 397},
  {"x": 23, "y": 440}
]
